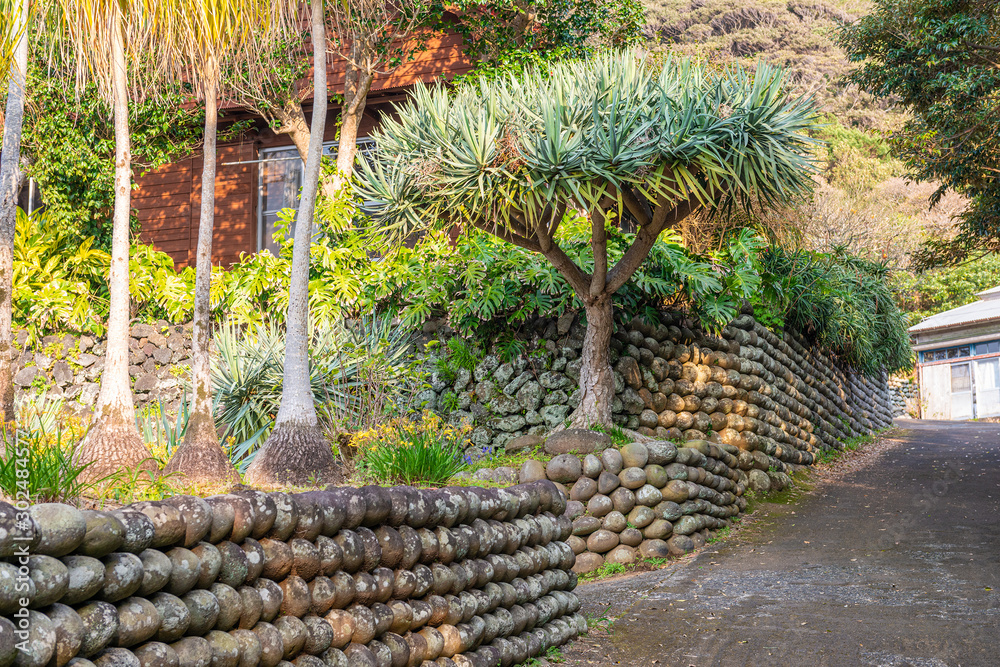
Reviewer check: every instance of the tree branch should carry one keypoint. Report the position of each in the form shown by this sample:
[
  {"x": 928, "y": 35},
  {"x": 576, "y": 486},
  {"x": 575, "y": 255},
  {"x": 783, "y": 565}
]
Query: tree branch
[
  {"x": 508, "y": 236},
  {"x": 645, "y": 239},
  {"x": 599, "y": 244},
  {"x": 983, "y": 47},
  {"x": 577, "y": 278},
  {"x": 548, "y": 231}
]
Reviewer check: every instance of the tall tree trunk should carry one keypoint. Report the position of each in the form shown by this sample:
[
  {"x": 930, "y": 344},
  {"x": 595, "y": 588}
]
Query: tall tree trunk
[
  {"x": 296, "y": 451},
  {"x": 200, "y": 458},
  {"x": 357, "y": 83},
  {"x": 597, "y": 385},
  {"x": 113, "y": 442},
  {"x": 10, "y": 183}
]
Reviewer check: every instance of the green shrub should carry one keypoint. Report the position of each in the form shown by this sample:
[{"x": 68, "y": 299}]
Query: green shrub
[
  {"x": 931, "y": 292},
  {"x": 423, "y": 451},
  {"x": 356, "y": 373},
  {"x": 42, "y": 449},
  {"x": 60, "y": 282},
  {"x": 843, "y": 303}
]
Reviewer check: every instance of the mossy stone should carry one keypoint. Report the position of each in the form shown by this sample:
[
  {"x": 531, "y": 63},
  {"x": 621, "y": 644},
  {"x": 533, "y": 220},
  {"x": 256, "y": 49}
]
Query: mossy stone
[
  {"x": 61, "y": 528},
  {"x": 100, "y": 624},
  {"x": 105, "y": 534}
]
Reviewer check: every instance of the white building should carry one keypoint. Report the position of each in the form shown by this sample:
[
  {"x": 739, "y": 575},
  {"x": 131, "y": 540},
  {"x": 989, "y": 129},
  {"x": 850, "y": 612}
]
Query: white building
[{"x": 958, "y": 360}]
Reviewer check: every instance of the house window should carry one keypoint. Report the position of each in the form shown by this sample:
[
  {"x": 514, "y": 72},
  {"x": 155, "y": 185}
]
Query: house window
[
  {"x": 961, "y": 378},
  {"x": 280, "y": 181},
  {"x": 948, "y": 353},
  {"x": 992, "y": 347}
]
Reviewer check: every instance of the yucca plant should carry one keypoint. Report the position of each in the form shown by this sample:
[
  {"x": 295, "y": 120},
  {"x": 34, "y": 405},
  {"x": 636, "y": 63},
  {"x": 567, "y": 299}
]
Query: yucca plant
[
  {"x": 247, "y": 379},
  {"x": 636, "y": 146},
  {"x": 161, "y": 433}
]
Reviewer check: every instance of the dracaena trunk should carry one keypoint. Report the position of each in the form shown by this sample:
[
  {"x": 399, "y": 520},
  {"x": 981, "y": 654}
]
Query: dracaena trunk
[{"x": 597, "y": 386}]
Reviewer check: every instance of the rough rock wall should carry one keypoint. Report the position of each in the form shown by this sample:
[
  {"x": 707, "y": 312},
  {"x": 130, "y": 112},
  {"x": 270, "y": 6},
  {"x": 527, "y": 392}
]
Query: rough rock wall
[
  {"x": 675, "y": 382},
  {"x": 370, "y": 577},
  {"x": 70, "y": 366},
  {"x": 904, "y": 395}
]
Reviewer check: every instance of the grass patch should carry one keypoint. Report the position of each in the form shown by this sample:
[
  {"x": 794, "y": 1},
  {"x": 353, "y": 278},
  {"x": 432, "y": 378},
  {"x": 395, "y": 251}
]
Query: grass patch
[
  {"x": 850, "y": 445},
  {"x": 553, "y": 655},
  {"x": 502, "y": 458},
  {"x": 617, "y": 434},
  {"x": 614, "y": 569}
]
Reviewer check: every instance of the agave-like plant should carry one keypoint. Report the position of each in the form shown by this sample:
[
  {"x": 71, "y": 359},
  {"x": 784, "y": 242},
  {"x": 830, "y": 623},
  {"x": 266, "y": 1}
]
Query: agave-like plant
[
  {"x": 617, "y": 137},
  {"x": 247, "y": 378}
]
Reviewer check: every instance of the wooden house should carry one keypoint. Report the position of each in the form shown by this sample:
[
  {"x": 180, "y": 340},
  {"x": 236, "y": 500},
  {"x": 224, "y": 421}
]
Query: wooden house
[{"x": 259, "y": 172}]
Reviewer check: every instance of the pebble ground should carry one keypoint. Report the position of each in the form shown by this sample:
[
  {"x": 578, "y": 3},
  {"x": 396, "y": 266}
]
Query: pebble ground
[{"x": 890, "y": 558}]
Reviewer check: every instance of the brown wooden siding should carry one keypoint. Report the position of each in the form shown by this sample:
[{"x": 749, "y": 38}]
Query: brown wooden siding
[{"x": 167, "y": 201}]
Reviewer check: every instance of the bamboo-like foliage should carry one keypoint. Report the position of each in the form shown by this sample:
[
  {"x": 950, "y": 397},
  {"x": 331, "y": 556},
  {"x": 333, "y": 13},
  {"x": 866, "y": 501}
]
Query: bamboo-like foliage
[
  {"x": 11, "y": 30},
  {"x": 82, "y": 30},
  {"x": 608, "y": 133},
  {"x": 202, "y": 36}
]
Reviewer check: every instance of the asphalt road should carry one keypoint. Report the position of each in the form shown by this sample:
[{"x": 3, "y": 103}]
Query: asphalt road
[{"x": 891, "y": 561}]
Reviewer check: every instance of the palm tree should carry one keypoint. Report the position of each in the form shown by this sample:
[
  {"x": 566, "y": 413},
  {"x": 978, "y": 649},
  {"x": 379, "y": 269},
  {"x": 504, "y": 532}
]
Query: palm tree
[
  {"x": 13, "y": 63},
  {"x": 106, "y": 37},
  {"x": 205, "y": 36},
  {"x": 296, "y": 449}
]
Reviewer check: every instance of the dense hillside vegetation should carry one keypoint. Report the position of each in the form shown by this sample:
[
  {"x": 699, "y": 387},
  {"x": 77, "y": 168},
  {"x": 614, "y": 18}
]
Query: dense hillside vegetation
[{"x": 864, "y": 200}]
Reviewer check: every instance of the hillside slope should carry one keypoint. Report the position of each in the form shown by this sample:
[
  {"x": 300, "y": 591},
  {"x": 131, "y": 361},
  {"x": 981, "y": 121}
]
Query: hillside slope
[
  {"x": 799, "y": 35},
  {"x": 863, "y": 198}
]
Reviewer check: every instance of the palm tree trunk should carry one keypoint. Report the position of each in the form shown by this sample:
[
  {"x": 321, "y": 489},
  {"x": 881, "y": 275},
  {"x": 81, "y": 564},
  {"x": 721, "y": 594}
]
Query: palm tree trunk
[
  {"x": 113, "y": 442},
  {"x": 296, "y": 451},
  {"x": 200, "y": 458},
  {"x": 10, "y": 182}
]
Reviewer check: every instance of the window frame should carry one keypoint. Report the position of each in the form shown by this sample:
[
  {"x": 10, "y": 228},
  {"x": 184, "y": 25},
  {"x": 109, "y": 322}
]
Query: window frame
[{"x": 365, "y": 148}]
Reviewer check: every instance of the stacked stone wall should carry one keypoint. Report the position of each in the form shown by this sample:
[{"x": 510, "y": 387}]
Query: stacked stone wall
[
  {"x": 672, "y": 381},
  {"x": 724, "y": 415},
  {"x": 904, "y": 395},
  {"x": 371, "y": 577}
]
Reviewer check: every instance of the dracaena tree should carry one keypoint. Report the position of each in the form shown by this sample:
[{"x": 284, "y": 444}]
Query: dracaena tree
[
  {"x": 616, "y": 138},
  {"x": 13, "y": 65}
]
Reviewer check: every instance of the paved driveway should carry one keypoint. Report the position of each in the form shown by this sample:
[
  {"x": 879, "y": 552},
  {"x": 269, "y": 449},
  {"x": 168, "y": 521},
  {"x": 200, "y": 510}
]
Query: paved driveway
[{"x": 893, "y": 560}]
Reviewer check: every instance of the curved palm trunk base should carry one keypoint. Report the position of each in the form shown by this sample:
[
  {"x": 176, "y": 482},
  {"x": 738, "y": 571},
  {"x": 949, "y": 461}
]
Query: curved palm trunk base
[
  {"x": 597, "y": 382},
  {"x": 113, "y": 445},
  {"x": 296, "y": 454},
  {"x": 200, "y": 461}
]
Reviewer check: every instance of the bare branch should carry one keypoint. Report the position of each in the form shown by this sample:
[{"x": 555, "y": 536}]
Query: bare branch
[
  {"x": 599, "y": 244},
  {"x": 644, "y": 240}
]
